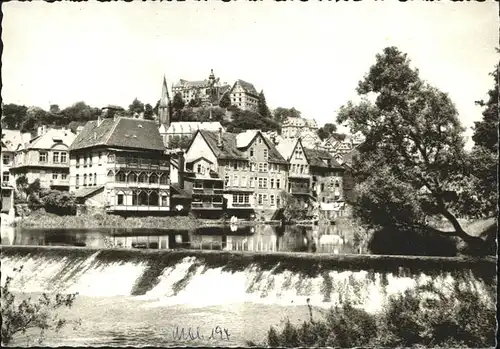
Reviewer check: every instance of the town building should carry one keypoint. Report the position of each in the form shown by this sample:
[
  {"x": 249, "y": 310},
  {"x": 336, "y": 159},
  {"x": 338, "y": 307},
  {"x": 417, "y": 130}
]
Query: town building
[
  {"x": 242, "y": 174},
  {"x": 11, "y": 140},
  {"x": 183, "y": 129},
  {"x": 208, "y": 92},
  {"x": 244, "y": 96},
  {"x": 293, "y": 127},
  {"x": 314, "y": 176},
  {"x": 337, "y": 146},
  {"x": 120, "y": 164},
  {"x": 45, "y": 157}
]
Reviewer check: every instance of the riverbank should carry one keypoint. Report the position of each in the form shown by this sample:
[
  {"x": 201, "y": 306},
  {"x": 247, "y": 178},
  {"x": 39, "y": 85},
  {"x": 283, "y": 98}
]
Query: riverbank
[{"x": 38, "y": 219}]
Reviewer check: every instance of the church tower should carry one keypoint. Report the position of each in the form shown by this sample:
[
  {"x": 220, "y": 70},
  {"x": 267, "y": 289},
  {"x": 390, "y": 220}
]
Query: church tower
[{"x": 164, "y": 107}]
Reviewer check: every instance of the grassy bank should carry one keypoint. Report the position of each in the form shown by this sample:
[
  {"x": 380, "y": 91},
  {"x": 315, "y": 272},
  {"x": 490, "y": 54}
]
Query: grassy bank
[{"x": 48, "y": 220}]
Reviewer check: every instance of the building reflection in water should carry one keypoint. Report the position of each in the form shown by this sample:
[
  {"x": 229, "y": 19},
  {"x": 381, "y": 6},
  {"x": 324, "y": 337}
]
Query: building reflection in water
[{"x": 259, "y": 238}]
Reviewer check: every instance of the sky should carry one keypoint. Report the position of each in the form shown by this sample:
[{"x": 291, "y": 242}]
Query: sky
[{"x": 308, "y": 55}]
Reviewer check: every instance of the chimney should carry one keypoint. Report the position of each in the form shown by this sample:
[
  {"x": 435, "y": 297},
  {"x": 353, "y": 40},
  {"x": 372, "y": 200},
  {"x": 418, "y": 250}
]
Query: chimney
[
  {"x": 181, "y": 169},
  {"x": 104, "y": 113},
  {"x": 219, "y": 139}
]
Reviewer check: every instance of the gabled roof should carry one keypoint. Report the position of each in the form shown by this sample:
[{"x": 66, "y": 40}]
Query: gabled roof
[
  {"x": 316, "y": 158},
  {"x": 120, "y": 132},
  {"x": 187, "y": 83},
  {"x": 247, "y": 87},
  {"x": 84, "y": 192},
  {"x": 287, "y": 146},
  {"x": 11, "y": 139},
  {"x": 49, "y": 138},
  {"x": 230, "y": 150}
]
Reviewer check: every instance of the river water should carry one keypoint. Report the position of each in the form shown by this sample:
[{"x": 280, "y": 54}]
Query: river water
[{"x": 143, "y": 287}]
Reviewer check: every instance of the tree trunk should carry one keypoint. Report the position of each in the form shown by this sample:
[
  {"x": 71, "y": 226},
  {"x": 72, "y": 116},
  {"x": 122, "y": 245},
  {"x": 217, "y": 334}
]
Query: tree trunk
[{"x": 476, "y": 244}]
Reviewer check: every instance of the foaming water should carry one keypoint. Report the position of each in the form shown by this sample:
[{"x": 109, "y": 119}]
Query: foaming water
[{"x": 194, "y": 282}]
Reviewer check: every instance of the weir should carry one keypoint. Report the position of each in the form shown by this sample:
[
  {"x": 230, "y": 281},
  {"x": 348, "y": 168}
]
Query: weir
[{"x": 213, "y": 277}]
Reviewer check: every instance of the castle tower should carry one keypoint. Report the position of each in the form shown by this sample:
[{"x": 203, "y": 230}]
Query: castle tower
[{"x": 164, "y": 107}]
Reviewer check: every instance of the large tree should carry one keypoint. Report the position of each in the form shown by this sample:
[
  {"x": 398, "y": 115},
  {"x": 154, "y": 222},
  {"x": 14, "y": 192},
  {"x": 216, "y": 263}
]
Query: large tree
[
  {"x": 412, "y": 166},
  {"x": 280, "y": 114},
  {"x": 484, "y": 154},
  {"x": 225, "y": 101},
  {"x": 326, "y": 131},
  {"x": 136, "y": 107},
  {"x": 13, "y": 116},
  {"x": 262, "y": 107},
  {"x": 148, "y": 112}
]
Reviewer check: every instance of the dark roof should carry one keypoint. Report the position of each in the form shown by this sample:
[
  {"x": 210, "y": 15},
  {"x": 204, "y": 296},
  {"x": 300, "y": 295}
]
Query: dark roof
[
  {"x": 84, "y": 192},
  {"x": 229, "y": 150},
  {"x": 316, "y": 157},
  {"x": 120, "y": 132},
  {"x": 178, "y": 192},
  {"x": 347, "y": 157},
  {"x": 247, "y": 87}
]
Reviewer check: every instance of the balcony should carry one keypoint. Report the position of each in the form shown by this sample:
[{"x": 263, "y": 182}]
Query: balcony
[
  {"x": 241, "y": 205},
  {"x": 206, "y": 205},
  {"x": 59, "y": 182},
  {"x": 300, "y": 191},
  {"x": 208, "y": 191},
  {"x": 139, "y": 185},
  {"x": 141, "y": 208},
  {"x": 299, "y": 175}
]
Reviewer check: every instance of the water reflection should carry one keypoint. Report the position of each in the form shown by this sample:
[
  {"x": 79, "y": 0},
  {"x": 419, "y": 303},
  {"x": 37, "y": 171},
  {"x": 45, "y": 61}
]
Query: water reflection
[{"x": 260, "y": 238}]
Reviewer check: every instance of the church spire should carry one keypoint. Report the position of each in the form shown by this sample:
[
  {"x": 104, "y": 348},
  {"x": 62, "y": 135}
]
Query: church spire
[{"x": 164, "y": 107}]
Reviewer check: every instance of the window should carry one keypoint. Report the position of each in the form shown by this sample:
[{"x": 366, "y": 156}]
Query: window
[
  {"x": 77, "y": 181},
  {"x": 164, "y": 179},
  {"x": 259, "y": 140},
  {"x": 90, "y": 179},
  {"x": 244, "y": 181},
  {"x": 322, "y": 186},
  {"x": 164, "y": 200},
  {"x": 265, "y": 167},
  {"x": 272, "y": 200},
  {"x": 301, "y": 168},
  {"x": 95, "y": 178},
  {"x": 236, "y": 181},
  {"x": 252, "y": 167},
  {"x": 64, "y": 176},
  {"x": 43, "y": 156},
  {"x": 5, "y": 176},
  {"x": 252, "y": 182},
  {"x": 55, "y": 157},
  {"x": 278, "y": 201},
  {"x": 142, "y": 178},
  {"x": 111, "y": 158},
  {"x": 260, "y": 199},
  {"x": 120, "y": 199},
  {"x": 235, "y": 165},
  {"x": 77, "y": 161},
  {"x": 153, "y": 179},
  {"x": 197, "y": 185},
  {"x": 90, "y": 159},
  {"x": 64, "y": 157},
  {"x": 120, "y": 177},
  {"x": 226, "y": 181},
  {"x": 54, "y": 175},
  {"x": 260, "y": 182},
  {"x": 337, "y": 184},
  {"x": 198, "y": 168},
  {"x": 261, "y": 167},
  {"x": 247, "y": 199},
  {"x": 277, "y": 183},
  {"x": 84, "y": 180},
  {"x": 132, "y": 178},
  {"x": 272, "y": 183},
  {"x": 228, "y": 166},
  {"x": 6, "y": 159},
  {"x": 265, "y": 182},
  {"x": 100, "y": 156},
  {"x": 266, "y": 153},
  {"x": 235, "y": 198},
  {"x": 264, "y": 197},
  {"x": 251, "y": 151}
]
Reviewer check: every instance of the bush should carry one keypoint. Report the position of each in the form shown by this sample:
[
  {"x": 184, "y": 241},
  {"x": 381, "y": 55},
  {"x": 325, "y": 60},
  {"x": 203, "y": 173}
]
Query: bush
[
  {"x": 421, "y": 317},
  {"x": 29, "y": 314}
]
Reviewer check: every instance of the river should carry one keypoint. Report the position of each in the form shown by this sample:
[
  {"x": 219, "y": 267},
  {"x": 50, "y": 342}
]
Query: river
[{"x": 224, "y": 287}]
